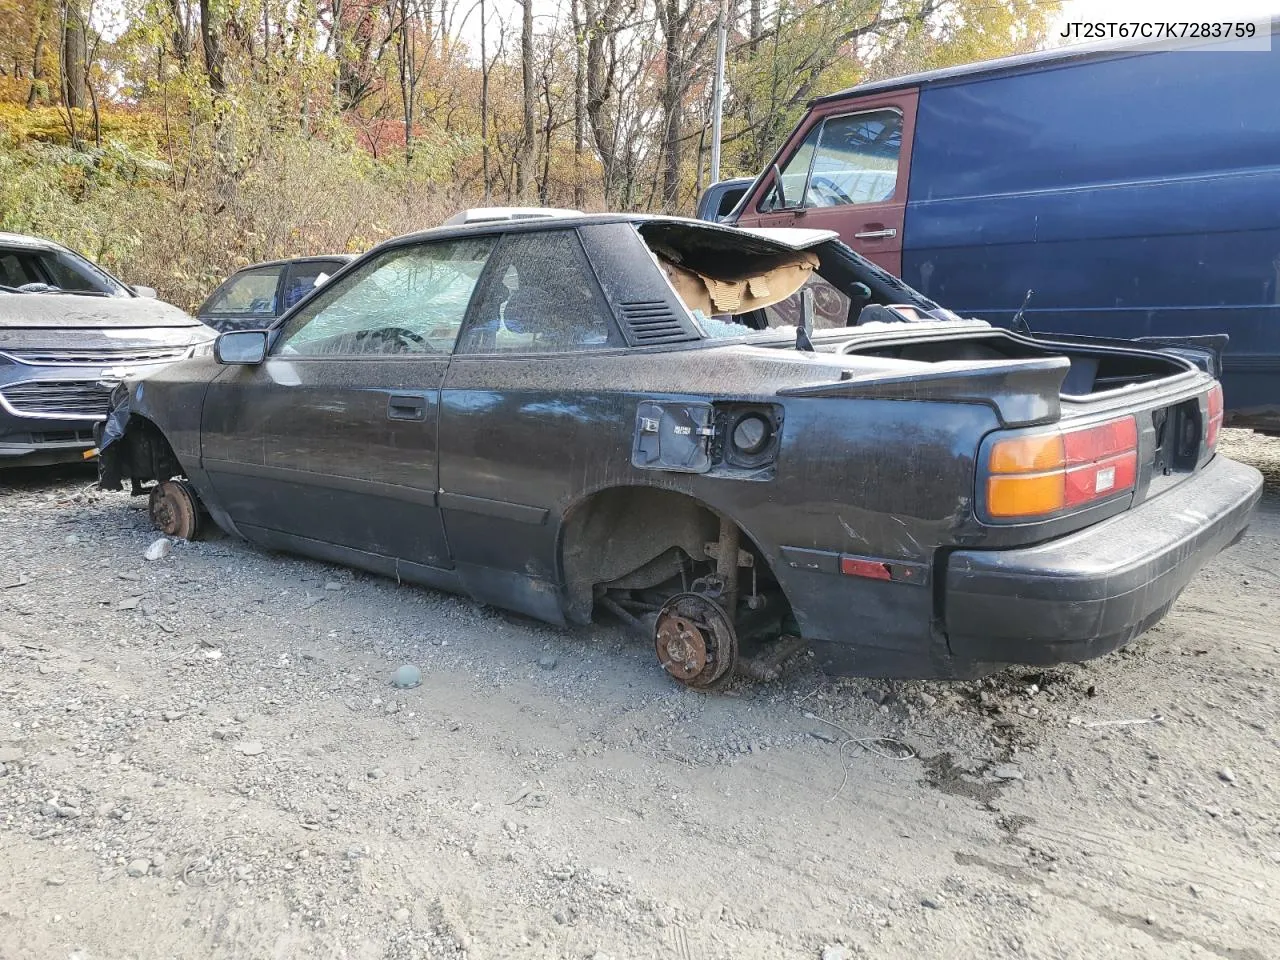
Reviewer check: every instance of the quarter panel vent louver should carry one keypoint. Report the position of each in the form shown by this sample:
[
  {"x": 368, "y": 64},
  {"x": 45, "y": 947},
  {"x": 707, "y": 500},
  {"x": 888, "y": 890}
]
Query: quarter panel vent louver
[{"x": 653, "y": 321}]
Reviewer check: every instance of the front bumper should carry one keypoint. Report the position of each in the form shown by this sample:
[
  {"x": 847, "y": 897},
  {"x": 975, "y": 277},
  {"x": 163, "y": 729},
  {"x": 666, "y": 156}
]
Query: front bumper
[
  {"x": 1086, "y": 594},
  {"x": 47, "y": 417}
]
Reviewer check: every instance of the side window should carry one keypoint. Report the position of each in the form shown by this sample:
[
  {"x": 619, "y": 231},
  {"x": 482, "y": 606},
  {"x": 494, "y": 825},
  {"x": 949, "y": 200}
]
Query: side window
[
  {"x": 15, "y": 270},
  {"x": 857, "y": 160},
  {"x": 795, "y": 174},
  {"x": 252, "y": 292},
  {"x": 302, "y": 278},
  {"x": 540, "y": 296},
  {"x": 406, "y": 300}
]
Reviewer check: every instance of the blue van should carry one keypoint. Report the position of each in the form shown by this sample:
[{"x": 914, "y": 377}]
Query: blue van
[{"x": 1122, "y": 192}]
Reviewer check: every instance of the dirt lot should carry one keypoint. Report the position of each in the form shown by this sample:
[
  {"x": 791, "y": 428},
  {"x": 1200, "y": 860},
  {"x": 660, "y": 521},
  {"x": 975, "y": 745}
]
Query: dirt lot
[{"x": 203, "y": 756}]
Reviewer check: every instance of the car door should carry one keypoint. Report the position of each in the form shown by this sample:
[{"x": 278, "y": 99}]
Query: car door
[
  {"x": 847, "y": 172},
  {"x": 332, "y": 441},
  {"x": 518, "y": 422}
]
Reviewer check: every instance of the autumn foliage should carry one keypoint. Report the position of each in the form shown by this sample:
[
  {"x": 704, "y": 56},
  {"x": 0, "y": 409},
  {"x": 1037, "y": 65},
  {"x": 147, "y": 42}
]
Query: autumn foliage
[{"x": 176, "y": 140}]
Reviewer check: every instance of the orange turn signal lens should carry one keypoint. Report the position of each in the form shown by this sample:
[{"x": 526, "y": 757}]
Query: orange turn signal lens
[
  {"x": 1215, "y": 416},
  {"x": 1031, "y": 454},
  {"x": 1026, "y": 496}
]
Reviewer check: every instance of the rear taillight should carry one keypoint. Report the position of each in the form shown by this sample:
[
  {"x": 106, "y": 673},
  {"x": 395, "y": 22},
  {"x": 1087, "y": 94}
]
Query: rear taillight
[
  {"x": 1044, "y": 474},
  {"x": 1215, "y": 416}
]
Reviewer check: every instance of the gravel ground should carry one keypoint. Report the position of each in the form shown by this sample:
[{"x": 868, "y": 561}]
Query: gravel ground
[{"x": 204, "y": 756}]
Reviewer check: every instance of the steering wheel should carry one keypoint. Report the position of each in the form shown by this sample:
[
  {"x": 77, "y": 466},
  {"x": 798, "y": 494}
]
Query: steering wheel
[
  {"x": 400, "y": 335},
  {"x": 827, "y": 193}
]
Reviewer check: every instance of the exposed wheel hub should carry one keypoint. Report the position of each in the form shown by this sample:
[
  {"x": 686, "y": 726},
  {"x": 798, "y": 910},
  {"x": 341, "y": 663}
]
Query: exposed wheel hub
[
  {"x": 174, "y": 510},
  {"x": 695, "y": 641}
]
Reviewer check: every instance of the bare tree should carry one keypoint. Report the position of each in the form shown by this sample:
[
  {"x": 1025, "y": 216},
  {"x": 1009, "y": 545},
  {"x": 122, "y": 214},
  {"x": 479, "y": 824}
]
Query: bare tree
[{"x": 525, "y": 155}]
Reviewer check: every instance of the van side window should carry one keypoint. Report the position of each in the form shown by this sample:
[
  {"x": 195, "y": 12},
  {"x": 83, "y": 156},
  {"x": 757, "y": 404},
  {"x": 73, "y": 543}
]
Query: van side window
[
  {"x": 855, "y": 161},
  {"x": 794, "y": 176}
]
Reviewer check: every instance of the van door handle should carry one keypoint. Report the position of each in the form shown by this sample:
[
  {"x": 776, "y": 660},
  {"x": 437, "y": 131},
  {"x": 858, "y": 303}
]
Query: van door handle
[
  {"x": 406, "y": 407},
  {"x": 876, "y": 234}
]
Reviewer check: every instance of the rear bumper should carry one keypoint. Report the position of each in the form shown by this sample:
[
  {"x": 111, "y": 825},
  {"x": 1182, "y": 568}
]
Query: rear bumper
[{"x": 1088, "y": 593}]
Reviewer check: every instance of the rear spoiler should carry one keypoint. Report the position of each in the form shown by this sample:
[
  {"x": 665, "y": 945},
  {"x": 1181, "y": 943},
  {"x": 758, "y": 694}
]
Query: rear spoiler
[
  {"x": 1204, "y": 350},
  {"x": 1022, "y": 392}
]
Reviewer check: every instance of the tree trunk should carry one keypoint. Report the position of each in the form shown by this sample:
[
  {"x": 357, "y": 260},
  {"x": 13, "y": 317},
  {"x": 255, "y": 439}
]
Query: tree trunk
[
  {"x": 407, "y": 62},
  {"x": 484, "y": 108},
  {"x": 182, "y": 45},
  {"x": 672, "y": 90},
  {"x": 37, "y": 57},
  {"x": 579, "y": 103},
  {"x": 524, "y": 158},
  {"x": 214, "y": 55},
  {"x": 74, "y": 48},
  {"x": 600, "y": 26}
]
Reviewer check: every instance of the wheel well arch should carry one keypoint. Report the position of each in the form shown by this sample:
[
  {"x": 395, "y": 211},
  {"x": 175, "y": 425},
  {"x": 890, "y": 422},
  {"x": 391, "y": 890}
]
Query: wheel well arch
[
  {"x": 632, "y": 534},
  {"x": 142, "y": 452}
]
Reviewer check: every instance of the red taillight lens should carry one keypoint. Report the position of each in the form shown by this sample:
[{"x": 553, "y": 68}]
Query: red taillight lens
[
  {"x": 1038, "y": 475},
  {"x": 1215, "y": 416}
]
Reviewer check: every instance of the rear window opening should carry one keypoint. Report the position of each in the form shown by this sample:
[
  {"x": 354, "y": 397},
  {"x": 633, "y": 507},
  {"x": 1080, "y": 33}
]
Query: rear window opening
[
  {"x": 734, "y": 282},
  {"x": 1092, "y": 371}
]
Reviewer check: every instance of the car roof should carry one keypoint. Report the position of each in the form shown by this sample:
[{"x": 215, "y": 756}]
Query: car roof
[
  {"x": 24, "y": 242},
  {"x": 792, "y": 238},
  {"x": 983, "y": 69},
  {"x": 285, "y": 261}
]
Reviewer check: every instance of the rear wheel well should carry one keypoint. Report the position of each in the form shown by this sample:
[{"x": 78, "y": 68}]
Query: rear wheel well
[{"x": 641, "y": 543}]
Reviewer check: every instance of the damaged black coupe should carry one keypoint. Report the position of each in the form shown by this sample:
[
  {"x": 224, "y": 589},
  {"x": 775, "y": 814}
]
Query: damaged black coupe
[{"x": 736, "y": 441}]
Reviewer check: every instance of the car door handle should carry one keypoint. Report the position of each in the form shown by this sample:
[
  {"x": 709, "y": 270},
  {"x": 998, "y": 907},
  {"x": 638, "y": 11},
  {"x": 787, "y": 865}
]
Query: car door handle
[
  {"x": 406, "y": 407},
  {"x": 876, "y": 234}
]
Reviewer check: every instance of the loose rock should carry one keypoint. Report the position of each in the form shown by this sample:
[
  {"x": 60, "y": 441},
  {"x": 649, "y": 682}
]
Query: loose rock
[
  {"x": 1226, "y": 775},
  {"x": 159, "y": 549},
  {"x": 1006, "y": 771},
  {"x": 406, "y": 677},
  {"x": 138, "y": 868},
  {"x": 250, "y": 748},
  {"x": 834, "y": 951},
  {"x": 547, "y": 662}
]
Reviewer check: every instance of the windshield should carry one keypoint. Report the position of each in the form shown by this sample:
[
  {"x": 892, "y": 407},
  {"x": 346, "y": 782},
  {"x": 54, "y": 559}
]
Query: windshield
[{"x": 26, "y": 270}]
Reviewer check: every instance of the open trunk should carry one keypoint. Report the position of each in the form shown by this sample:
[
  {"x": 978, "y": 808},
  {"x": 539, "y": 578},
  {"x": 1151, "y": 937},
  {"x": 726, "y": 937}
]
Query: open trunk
[{"x": 1094, "y": 368}]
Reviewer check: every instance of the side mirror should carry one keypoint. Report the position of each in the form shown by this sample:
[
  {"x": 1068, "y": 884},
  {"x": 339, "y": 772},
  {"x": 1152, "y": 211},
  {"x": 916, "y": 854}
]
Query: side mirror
[
  {"x": 241, "y": 346},
  {"x": 148, "y": 292}
]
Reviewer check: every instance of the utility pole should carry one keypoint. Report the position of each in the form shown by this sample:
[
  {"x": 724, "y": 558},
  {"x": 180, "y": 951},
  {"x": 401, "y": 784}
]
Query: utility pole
[{"x": 717, "y": 93}]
